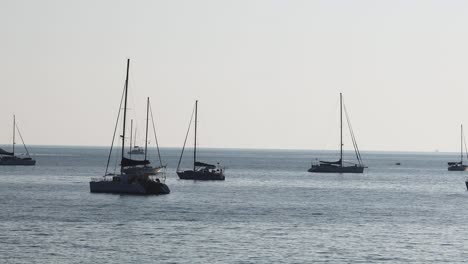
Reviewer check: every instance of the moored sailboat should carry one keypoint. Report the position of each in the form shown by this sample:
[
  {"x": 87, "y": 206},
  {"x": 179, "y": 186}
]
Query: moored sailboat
[
  {"x": 201, "y": 171},
  {"x": 127, "y": 182},
  {"x": 341, "y": 166},
  {"x": 458, "y": 165},
  {"x": 9, "y": 158}
]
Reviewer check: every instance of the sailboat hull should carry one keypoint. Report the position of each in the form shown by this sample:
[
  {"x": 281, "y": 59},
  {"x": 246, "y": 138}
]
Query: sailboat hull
[
  {"x": 458, "y": 168},
  {"x": 148, "y": 188},
  {"x": 336, "y": 169},
  {"x": 200, "y": 175},
  {"x": 15, "y": 161}
]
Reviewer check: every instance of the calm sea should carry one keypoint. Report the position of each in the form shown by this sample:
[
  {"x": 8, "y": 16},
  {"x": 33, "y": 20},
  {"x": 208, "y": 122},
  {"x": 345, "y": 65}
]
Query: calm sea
[{"x": 269, "y": 210}]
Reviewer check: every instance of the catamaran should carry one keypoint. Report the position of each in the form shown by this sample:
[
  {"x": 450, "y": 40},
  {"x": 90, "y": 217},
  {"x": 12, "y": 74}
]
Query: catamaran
[
  {"x": 127, "y": 182},
  {"x": 201, "y": 171},
  {"x": 9, "y": 158},
  {"x": 340, "y": 166}
]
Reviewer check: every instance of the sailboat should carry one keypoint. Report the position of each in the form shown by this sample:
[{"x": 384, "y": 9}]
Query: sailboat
[
  {"x": 341, "y": 166},
  {"x": 201, "y": 171},
  {"x": 145, "y": 169},
  {"x": 9, "y": 158},
  {"x": 135, "y": 150},
  {"x": 127, "y": 183},
  {"x": 458, "y": 165}
]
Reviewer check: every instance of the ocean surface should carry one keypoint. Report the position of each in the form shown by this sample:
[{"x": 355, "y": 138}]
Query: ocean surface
[{"x": 269, "y": 210}]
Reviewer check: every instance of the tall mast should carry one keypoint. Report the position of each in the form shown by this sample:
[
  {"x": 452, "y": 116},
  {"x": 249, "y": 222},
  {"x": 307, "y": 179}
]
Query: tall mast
[
  {"x": 195, "y": 144},
  {"x": 341, "y": 130},
  {"x": 146, "y": 137},
  {"x": 131, "y": 134},
  {"x": 14, "y": 130},
  {"x": 125, "y": 115}
]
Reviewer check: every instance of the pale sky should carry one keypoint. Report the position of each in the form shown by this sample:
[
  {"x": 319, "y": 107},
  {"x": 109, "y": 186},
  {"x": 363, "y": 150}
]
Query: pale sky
[{"x": 267, "y": 74}]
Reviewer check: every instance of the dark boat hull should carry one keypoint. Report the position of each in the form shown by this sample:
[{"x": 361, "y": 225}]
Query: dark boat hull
[
  {"x": 146, "y": 188},
  {"x": 336, "y": 169},
  {"x": 200, "y": 175},
  {"x": 17, "y": 162},
  {"x": 458, "y": 168},
  {"x": 466, "y": 183}
]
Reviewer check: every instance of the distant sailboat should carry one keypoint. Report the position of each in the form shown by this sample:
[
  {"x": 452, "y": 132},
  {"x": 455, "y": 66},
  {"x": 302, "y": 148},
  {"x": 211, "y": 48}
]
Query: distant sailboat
[
  {"x": 458, "y": 165},
  {"x": 340, "y": 166},
  {"x": 201, "y": 171},
  {"x": 146, "y": 168},
  {"x": 9, "y": 158},
  {"x": 134, "y": 150},
  {"x": 127, "y": 182}
]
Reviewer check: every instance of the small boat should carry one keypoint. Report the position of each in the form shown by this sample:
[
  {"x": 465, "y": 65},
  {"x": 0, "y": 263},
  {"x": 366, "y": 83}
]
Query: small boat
[
  {"x": 201, "y": 171},
  {"x": 340, "y": 166},
  {"x": 458, "y": 165},
  {"x": 128, "y": 182},
  {"x": 136, "y": 150},
  {"x": 9, "y": 158},
  {"x": 398, "y": 163}
]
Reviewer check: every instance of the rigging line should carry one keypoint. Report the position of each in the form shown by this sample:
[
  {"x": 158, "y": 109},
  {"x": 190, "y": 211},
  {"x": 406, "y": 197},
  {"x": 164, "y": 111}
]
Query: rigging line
[
  {"x": 358, "y": 153},
  {"x": 19, "y": 132},
  {"x": 134, "y": 109},
  {"x": 155, "y": 135},
  {"x": 185, "y": 141},
  {"x": 353, "y": 138},
  {"x": 355, "y": 142},
  {"x": 466, "y": 149},
  {"x": 351, "y": 134},
  {"x": 115, "y": 130},
  {"x": 116, "y": 163}
]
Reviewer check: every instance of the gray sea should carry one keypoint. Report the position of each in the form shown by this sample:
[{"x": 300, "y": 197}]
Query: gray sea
[{"x": 269, "y": 210}]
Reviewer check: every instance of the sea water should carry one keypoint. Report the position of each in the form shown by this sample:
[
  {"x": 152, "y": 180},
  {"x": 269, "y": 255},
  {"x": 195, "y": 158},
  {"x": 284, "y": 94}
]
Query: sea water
[{"x": 269, "y": 210}]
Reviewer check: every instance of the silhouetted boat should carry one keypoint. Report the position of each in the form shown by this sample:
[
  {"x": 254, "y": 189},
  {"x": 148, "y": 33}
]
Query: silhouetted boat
[
  {"x": 201, "y": 171},
  {"x": 340, "y": 166},
  {"x": 458, "y": 165},
  {"x": 9, "y": 158},
  {"x": 127, "y": 183}
]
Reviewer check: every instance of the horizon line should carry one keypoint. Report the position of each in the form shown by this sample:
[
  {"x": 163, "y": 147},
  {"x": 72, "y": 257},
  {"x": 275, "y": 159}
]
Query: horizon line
[{"x": 247, "y": 148}]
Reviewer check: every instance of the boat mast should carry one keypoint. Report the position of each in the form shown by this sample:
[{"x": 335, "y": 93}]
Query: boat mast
[
  {"x": 195, "y": 142},
  {"x": 14, "y": 130},
  {"x": 146, "y": 137},
  {"x": 341, "y": 130},
  {"x": 125, "y": 115}
]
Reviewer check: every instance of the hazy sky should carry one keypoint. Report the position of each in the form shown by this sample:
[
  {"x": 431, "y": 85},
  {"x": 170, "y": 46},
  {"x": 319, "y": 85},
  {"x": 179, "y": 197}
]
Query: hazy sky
[{"x": 267, "y": 74}]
